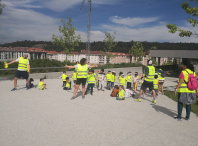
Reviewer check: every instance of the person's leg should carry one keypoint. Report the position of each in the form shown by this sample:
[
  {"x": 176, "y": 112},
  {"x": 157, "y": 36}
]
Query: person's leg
[
  {"x": 153, "y": 94},
  {"x": 88, "y": 86},
  {"x": 92, "y": 85},
  {"x": 15, "y": 82},
  {"x": 162, "y": 87},
  {"x": 156, "y": 90},
  {"x": 28, "y": 83},
  {"x": 188, "y": 110},
  {"x": 75, "y": 90},
  {"x": 179, "y": 107},
  {"x": 83, "y": 90},
  {"x": 102, "y": 85}
]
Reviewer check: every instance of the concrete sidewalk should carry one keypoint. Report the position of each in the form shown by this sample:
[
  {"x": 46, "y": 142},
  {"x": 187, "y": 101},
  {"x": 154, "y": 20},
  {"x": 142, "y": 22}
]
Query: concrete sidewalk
[{"x": 50, "y": 118}]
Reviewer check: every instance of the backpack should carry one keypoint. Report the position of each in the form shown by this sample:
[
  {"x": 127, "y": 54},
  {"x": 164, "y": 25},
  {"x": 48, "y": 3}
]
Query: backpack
[{"x": 192, "y": 81}]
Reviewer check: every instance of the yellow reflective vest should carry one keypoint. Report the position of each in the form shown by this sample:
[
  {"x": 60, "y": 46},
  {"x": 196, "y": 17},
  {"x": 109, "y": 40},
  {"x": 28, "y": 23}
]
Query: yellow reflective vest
[
  {"x": 64, "y": 76},
  {"x": 183, "y": 88},
  {"x": 155, "y": 83},
  {"x": 91, "y": 79},
  {"x": 150, "y": 74},
  {"x": 160, "y": 77},
  {"x": 82, "y": 71},
  {"x": 108, "y": 77},
  {"x": 121, "y": 93},
  {"x": 129, "y": 78},
  {"x": 40, "y": 86},
  {"x": 123, "y": 81},
  {"x": 23, "y": 64},
  {"x": 113, "y": 78},
  {"x": 68, "y": 84}
]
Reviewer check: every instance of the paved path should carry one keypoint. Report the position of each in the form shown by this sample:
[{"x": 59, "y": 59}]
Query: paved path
[{"x": 50, "y": 118}]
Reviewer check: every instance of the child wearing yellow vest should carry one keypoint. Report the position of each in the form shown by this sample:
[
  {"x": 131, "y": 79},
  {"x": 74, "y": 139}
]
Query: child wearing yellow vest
[
  {"x": 113, "y": 79},
  {"x": 121, "y": 93},
  {"x": 91, "y": 81},
  {"x": 64, "y": 76},
  {"x": 108, "y": 78},
  {"x": 129, "y": 79},
  {"x": 42, "y": 85},
  {"x": 122, "y": 80},
  {"x": 68, "y": 84},
  {"x": 155, "y": 86}
]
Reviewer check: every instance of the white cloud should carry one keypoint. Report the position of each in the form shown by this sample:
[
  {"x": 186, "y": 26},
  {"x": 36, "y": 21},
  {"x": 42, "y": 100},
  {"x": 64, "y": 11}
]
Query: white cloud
[
  {"x": 21, "y": 3},
  {"x": 132, "y": 21}
]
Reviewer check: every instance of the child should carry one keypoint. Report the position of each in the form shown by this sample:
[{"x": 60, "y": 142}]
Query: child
[
  {"x": 156, "y": 84},
  {"x": 129, "y": 79},
  {"x": 31, "y": 85},
  {"x": 108, "y": 78},
  {"x": 113, "y": 79},
  {"x": 91, "y": 80},
  {"x": 68, "y": 84},
  {"x": 115, "y": 91},
  {"x": 120, "y": 75},
  {"x": 128, "y": 93},
  {"x": 101, "y": 77},
  {"x": 135, "y": 80},
  {"x": 42, "y": 85},
  {"x": 121, "y": 93},
  {"x": 74, "y": 76},
  {"x": 122, "y": 80}
]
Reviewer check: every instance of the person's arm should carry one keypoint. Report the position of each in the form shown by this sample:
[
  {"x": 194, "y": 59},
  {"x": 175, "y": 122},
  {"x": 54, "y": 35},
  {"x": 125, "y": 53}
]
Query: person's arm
[
  {"x": 70, "y": 74},
  {"x": 11, "y": 62},
  {"x": 181, "y": 80},
  {"x": 146, "y": 72},
  {"x": 28, "y": 65},
  {"x": 60, "y": 76},
  {"x": 66, "y": 66},
  {"x": 197, "y": 91},
  {"x": 92, "y": 66},
  {"x": 162, "y": 72}
]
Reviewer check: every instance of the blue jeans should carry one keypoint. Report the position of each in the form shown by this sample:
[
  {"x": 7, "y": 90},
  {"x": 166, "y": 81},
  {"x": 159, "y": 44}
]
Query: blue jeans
[
  {"x": 90, "y": 86},
  {"x": 112, "y": 85},
  {"x": 180, "y": 107}
]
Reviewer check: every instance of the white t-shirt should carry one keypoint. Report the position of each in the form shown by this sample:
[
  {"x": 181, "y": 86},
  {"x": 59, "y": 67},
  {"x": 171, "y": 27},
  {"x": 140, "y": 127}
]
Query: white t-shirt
[
  {"x": 17, "y": 60},
  {"x": 101, "y": 76},
  {"x": 135, "y": 79},
  {"x": 76, "y": 66},
  {"x": 128, "y": 93}
]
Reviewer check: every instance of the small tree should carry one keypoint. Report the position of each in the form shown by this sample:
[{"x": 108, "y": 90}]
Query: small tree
[
  {"x": 189, "y": 10},
  {"x": 110, "y": 43},
  {"x": 68, "y": 40},
  {"x": 137, "y": 51},
  {"x": 1, "y": 7}
]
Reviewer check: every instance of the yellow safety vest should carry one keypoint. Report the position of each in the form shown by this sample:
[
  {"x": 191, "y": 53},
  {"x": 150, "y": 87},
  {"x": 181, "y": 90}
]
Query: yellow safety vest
[
  {"x": 108, "y": 77},
  {"x": 155, "y": 83},
  {"x": 40, "y": 86},
  {"x": 74, "y": 76},
  {"x": 123, "y": 81},
  {"x": 23, "y": 64},
  {"x": 91, "y": 79},
  {"x": 129, "y": 78},
  {"x": 68, "y": 84},
  {"x": 183, "y": 88},
  {"x": 113, "y": 78},
  {"x": 121, "y": 93},
  {"x": 160, "y": 77},
  {"x": 64, "y": 76},
  {"x": 82, "y": 71},
  {"x": 150, "y": 74}
]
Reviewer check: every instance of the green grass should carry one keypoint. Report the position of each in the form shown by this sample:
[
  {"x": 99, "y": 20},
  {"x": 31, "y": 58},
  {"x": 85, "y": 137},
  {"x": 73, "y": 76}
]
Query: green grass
[
  {"x": 8, "y": 75},
  {"x": 194, "y": 107}
]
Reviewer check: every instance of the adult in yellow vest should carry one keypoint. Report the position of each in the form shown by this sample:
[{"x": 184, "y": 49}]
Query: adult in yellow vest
[
  {"x": 185, "y": 95},
  {"x": 161, "y": 82},
  {"x": 148, "y": 80},
  {"x": 82, "y": 69},
  {"x": 22, "y": 71}
]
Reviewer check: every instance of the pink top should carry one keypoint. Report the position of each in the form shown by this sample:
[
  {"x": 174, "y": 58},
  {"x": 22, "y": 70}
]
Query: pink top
[{"x": 181, "y": 75}]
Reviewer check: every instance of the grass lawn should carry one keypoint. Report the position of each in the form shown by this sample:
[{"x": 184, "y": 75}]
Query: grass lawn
[
  {"x": 9, "y": 75},
  {"x": 194, "y": 107}
]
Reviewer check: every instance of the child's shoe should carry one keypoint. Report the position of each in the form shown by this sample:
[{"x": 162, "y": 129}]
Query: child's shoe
[{"x": 139, "y": 100}]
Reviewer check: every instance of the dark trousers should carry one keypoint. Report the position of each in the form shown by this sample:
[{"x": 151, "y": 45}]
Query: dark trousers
[
  {"x": 112, "y": 85},
  {"x": 180, "y": 107},
  {"x": 128, "y": 84},
  {"x": 64, "y": 83},
  {"x": 90, "y": 86},
  {"x": 109, "y": 85}
]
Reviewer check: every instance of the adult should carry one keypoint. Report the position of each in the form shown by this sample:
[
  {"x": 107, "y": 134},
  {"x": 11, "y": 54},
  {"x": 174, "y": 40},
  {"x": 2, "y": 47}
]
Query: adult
[
  {"x": 82, "y": 69},
  {"x": 161, "y": 79},
  {"x": 22, "y": 71},
  {"x": 148, "y": 80},
  {"x": 185, "y": 95}
]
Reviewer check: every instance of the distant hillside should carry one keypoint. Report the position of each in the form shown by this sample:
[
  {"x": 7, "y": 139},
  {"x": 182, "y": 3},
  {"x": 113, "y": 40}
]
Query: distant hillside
[{"x": 97, "y": 46}]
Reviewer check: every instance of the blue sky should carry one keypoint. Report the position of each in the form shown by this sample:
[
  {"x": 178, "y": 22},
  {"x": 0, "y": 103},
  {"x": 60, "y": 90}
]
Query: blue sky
[{"x": 138, "y": 20}]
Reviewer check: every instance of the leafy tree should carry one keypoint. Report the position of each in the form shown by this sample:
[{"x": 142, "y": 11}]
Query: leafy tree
[
  {"x": 189, "y": 10},
  {"x": 1, "y": 7},
  {"x": 137, "y": 51},
  {"x": 109, "y": 43},
  {"x": 68, "y": 40}
]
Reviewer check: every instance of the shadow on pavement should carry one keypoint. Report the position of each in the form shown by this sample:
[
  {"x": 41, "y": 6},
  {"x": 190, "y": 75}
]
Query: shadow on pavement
[{"x": 164, "y": 110}]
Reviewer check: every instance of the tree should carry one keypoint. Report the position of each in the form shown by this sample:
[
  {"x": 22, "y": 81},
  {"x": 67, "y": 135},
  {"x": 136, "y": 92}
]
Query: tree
[
  {"x": 1, "y": 7},
  {"x": 189, "y": 10},
  {"x": 68, "y": 40},
  {"x": 110, "y": 43},
  {"x": 137, "y": 51}
]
